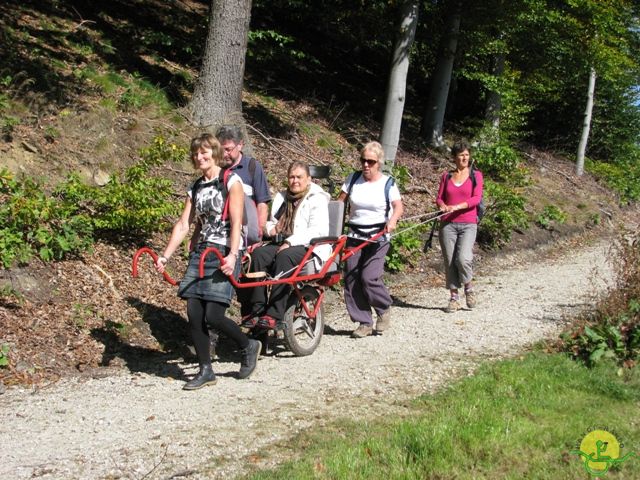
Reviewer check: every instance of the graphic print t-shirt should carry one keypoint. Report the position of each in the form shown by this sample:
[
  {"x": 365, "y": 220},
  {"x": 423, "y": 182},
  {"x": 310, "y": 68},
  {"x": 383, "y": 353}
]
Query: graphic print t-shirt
[{"x": 210, "y": 199}]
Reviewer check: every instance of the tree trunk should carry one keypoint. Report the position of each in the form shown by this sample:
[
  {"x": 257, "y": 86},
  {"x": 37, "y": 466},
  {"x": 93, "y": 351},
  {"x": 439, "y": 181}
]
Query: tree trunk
[
  {"x": 586, "y": 124},
  {"x": 217, "y": 97},
  {"x": 493, "y": 105},
  {"x": 436, "y": 105},
  {"x": 396, "y": 90}
]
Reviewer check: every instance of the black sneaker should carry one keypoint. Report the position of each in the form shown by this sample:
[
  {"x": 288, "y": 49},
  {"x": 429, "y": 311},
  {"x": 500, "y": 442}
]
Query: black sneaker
[
  {"x": 249, "y": 358},
  {"x": 204, "y": 377}
]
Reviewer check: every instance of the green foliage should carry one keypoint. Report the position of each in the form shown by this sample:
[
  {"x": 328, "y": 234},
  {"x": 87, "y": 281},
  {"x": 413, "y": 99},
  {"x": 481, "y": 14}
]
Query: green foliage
[
  {"x": 612, "y": 330},
  {"x": 505, "y": 213},
  {"x": 549, "y": 215},
  {"x": 8, "y": 122},
  {"x": 401, "y": 175},
  {"x": 33, "y": 224},
  {"x": 162, "y": 151},
  {"x": 134, "y": 203},
  {"x": 141, "y": 93},
  {"x": 131, "y": 92},
  {"x": 7, "y": 291},
  {"x": 404, "y": 246},
  {"x": 271, "y": 45},
  {"x": 155, "y": 37},
  {"x": 51, "y": 133},
  {"x": 597, "y": 343},
  {"x": 137, "y": 203},
  {"x": 7, "y": 125},
  {"x": 80, "y": 314},
  {"x": 119, "y": 328},
  {"x": 108, "y": 83},
  {"x": 499, "y": 161},
  {"x": 4, "y": 102},
  {"x": 504, "y": 174},
  {"x": 623, "y": 176},
  {"x": 4, "y": 355}
]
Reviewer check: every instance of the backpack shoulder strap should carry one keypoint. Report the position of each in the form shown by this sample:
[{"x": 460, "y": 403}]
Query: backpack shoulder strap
[
  {"x": 387, "y": 188},
  {"x": 252, "y": 167},
  {"x": 224, "y": 176},
  {"x": 354, "y": 178},
  {"x": 194, "y": 192},
  {"x": 472, "y": 174},
  {"x": 195, "y": 188}
]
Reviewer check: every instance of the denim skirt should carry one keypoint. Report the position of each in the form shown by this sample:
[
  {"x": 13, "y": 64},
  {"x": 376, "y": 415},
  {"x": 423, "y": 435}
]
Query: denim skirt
[{"x": 215, "y": 285}]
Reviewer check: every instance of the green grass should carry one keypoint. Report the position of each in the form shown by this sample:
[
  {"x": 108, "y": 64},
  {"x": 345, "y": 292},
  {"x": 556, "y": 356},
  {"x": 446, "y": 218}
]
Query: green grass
[{"x": 512, "y": 420}]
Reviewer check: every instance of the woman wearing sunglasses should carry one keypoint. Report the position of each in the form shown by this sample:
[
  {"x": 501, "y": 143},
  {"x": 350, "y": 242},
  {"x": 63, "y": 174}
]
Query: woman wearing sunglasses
[{"x": 374, "y": 204}]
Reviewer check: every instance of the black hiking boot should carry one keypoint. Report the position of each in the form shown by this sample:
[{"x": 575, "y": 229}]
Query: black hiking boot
[
  {"x": 249, "y": 358},
  {"x": 204, "y": 377}
]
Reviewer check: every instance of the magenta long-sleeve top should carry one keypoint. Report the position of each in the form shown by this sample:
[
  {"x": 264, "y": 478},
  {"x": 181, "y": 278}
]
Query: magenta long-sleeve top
[{"x": 451, "y": 194}]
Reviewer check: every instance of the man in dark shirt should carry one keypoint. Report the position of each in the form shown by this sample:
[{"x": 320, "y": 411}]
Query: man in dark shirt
[
  {"x": 255, "y": 186},
  {"x": 248, "y": 168}
]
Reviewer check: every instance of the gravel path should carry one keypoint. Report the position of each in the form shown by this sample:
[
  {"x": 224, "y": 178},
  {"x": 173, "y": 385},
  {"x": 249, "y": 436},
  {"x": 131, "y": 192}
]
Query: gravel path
[{"x": 138, "y": 425}]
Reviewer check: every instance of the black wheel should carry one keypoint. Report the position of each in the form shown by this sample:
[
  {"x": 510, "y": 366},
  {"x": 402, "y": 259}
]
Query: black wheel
[{"x": 302, "y": 334}]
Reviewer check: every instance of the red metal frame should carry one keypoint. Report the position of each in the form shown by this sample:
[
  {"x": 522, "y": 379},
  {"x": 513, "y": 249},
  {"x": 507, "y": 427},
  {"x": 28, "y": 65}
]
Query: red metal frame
[
  {"x": 303, "y": 302},
  {"x": 339, "y": 249},
  {"x": 323, "y": 278},
  {"x": 154, "y": 255}
]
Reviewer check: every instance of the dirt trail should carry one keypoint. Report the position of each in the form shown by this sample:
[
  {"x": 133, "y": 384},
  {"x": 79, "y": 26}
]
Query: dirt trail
[{"x": 138, "y": 425}]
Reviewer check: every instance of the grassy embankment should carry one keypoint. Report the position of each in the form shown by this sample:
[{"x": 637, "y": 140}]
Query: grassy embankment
[{"x": 513, "y": 419}]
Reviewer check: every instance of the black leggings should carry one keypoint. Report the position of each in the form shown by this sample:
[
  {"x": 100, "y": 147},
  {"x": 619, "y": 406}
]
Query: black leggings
[{"x": 204, "y": 315}]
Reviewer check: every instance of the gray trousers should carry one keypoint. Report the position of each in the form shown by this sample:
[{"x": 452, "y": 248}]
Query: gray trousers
[
  {"x": 363, "y": 286},
  {"x": 456, "y": 241}
]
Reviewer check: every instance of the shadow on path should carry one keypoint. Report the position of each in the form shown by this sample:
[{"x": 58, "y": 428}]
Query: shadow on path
[{"x": 397, "y": 302}]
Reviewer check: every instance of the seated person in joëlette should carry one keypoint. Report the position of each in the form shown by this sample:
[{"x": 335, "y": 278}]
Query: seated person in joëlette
[{"x": 298, "y": 214}]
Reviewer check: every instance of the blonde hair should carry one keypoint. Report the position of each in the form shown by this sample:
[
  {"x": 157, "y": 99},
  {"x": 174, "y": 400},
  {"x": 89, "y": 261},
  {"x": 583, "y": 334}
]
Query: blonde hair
[
  {"x": 376, "y": 149},
  {"x": 207, "y": 140}
]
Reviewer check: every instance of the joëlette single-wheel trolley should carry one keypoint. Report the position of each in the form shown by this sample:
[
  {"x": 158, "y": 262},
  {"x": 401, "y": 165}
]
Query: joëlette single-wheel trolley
[
  {"x": 303, "y": 324},
  {"x": 302, "y": 327}
]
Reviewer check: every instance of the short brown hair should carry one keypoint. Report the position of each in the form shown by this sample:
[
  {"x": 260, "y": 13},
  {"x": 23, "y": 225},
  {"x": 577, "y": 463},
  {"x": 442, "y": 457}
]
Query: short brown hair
[
  {"x": 207, "y": 140},
  {"x": 460, "y": 146}
]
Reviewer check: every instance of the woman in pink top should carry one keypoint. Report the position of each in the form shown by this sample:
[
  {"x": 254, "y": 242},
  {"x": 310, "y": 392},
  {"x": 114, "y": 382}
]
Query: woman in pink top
[{"x": 458, "y": 197}]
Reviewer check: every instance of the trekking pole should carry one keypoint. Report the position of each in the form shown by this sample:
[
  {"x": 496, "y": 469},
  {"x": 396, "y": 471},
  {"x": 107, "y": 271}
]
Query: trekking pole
[
  {"x": 400, "y": 232},
  {"x": 420, "y": 215},
  {"x": 428, "y": 244}
]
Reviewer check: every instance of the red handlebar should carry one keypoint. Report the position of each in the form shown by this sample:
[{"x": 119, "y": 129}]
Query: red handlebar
[
  {"x": 136, "y": 257},
  {"x": 217, "y": 253}
]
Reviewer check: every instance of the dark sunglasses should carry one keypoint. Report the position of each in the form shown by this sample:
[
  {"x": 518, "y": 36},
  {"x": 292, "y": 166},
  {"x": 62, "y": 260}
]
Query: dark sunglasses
[{"x": 368, "y": 161}]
